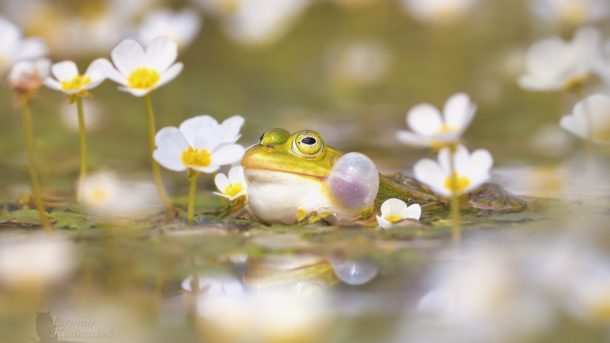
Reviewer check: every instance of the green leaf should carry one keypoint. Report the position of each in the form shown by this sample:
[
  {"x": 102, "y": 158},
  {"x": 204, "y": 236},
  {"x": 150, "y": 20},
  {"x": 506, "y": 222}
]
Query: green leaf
[
  {"x": 72, "y": 221},
  {"x": 21, "y": 217}
]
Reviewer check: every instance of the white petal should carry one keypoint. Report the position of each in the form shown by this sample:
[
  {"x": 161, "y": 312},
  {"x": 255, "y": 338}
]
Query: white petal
[
  {"x": 136, "y": 92},
  {"x": 169, "y": 74},
  {"x": 532, "y": 83},
  {"x": 394, "y": 207},
  {"x": 170, "y": 144},
  {"x": 11, "y": 34},
  {"x": 52, "y": 83},
  {"x": 384, "y": 224},
  {"x": 236, "y": 175},
  {"x": 231, "y": 127},
  {"x": 222, "y": 195},
  {"x": 221, "y": 181},
  {"x": 107, "y": 69},
  {"x": 430, "y": 173},
  {"x": 205, "y": 137},
  {"x": 424, "y": 119},
  {"x": 31, "y": 48},
  {"x": 207, "y": 170},
  {"x": 459, "y": 111},
  {"x": 94, "y": 83},
  {"x": 65, "y": 70},
  {"x": 414, "y": 212},
  {"x": 127, "y": 56},
  {"x": 192, "y": 126},
  {"x": 228, "y": 154},
  {"x": 412, "y": 139},
  {"x": 461, "y": 158},
  {"x": 43, "y": 67},
  {"x": 571, "y": 124},
  {"x": 481, "y": 160},
  {"x": 161, "y": 53}
]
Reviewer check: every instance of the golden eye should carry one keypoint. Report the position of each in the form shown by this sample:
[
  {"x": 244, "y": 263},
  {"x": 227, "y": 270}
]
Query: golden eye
[
  {"x": 307, "y": 143},
  {"x": 274, "y": 137}
]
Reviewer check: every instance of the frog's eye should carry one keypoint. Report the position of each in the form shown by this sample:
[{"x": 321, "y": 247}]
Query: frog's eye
[
  {"x": 307, "y": 143},
  {"x": 274, "y": 137}
]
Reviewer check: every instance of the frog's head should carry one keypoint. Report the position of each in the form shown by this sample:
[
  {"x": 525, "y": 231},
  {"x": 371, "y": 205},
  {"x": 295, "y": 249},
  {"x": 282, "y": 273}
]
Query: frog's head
[{"x": 303, "y": 152}]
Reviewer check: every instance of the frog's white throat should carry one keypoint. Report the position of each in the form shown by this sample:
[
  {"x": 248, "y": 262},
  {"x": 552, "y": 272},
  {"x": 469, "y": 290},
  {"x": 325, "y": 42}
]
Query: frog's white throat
[{"x": 275, "y": 197}]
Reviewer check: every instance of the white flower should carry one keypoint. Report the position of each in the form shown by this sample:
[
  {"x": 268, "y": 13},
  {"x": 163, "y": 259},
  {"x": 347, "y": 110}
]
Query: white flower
[
  {"x": 181, "y": 27},
  {"x": 14, "y": 48},
  {"x": 590, "y": 119},
  {"x": 140, "y": 70},
  {"x": 429, "y": 128},
  {"x": 359, "y": 63},
  {"x": 554, "y": 64},
  {"x": 395, "y": 210},
  {"x": 255, "y": 22},
  {"x": 471, "y": 171},
  {"x": 27, "y": 76},
  {"x": 572, "y": 12},
  {"x": 199, "y": 144},
  {"x": 438, "y": 11},
  {"x": 264, "y": 316},
  {"x": 106, "y": 194},
  {"x": 68, "y": 80},
  {"x": 482, "y": 298},
  {"x": 35, "y": 261},
  {"x": 233, "y": 185}
]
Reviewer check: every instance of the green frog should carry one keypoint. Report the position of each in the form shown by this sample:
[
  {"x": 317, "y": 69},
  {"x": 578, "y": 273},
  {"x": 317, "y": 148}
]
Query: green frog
[{"x": 294, "y": 177}]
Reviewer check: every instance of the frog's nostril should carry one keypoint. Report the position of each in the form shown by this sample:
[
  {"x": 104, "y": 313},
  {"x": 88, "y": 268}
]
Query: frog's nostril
[{"x": 269, "y": 147}]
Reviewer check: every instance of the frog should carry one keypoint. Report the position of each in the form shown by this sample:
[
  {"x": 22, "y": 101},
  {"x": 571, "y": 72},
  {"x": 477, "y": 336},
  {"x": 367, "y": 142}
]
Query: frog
[{"x": 293, "y": 177}]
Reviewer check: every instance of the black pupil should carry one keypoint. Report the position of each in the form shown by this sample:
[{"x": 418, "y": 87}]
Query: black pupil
[{"x": 308, "y": 140}]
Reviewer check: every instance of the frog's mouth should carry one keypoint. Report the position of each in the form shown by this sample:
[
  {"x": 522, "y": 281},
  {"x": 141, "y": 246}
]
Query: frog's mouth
[{"x": 277, "y": 164}]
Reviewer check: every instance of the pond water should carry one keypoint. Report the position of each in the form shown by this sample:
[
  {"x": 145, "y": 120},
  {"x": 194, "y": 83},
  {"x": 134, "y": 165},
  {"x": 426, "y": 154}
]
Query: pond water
[{"x": 232, "y": 279}]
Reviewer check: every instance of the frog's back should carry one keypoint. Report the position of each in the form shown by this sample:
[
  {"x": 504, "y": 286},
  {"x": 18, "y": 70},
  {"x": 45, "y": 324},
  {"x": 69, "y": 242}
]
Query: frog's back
[{"x": 489, "y": 197}]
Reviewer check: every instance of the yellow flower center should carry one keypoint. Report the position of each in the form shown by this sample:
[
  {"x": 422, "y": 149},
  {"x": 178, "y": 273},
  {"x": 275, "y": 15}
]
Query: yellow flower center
[
  {"x": 196, "y": 157},
  {"x": 456, "y": 183},
  {"x": 233, "y": 189},
  {"x": 78, "y": 82},
  {"x": 448, "y": 12},
  {"x": 601, "y": 134},
  {"x": 393, "y": 218},
  {"x": 143, "y": 78},
  {"x": 99, "y": 196},
  {"x": 445, "y": 128},
  {"x": 574, "y": 14},
  {"x": 601, "y": 310}
]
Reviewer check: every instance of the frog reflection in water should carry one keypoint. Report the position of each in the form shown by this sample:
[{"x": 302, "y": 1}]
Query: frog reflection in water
[{"x": 296, "y": 176}]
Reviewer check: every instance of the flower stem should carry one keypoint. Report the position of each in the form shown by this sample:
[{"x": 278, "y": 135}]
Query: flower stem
[
  {"x": 192, "y": 193},
  {"x": 29, "y": 140},
  {"x": 83, "y": 146},
  {"x": 155, "y": 166},
  {"x": 589, "y": 153},
  {"x": 456, "y": 230}
]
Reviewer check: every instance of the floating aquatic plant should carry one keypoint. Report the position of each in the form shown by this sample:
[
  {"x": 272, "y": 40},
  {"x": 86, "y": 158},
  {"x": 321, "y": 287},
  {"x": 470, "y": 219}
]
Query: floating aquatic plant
[
  {"x": 395, "y": 210},
  {"x": 140, "y": 71},
  {"x": 431, "y": 129},
  {"x": 455, "y": 173},
  {"x": 25, "y": 78},
  {"x": 199, "y": 145},
  {"x": 67, "y": 79}
]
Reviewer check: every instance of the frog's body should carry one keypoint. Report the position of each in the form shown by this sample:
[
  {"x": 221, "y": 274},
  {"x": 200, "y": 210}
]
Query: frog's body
[{"x": 294, "y": 176}]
